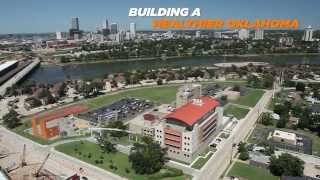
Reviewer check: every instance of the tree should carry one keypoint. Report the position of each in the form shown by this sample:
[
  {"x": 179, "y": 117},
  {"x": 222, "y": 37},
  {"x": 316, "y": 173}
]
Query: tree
[
  {"x": 117, "y": 125},
  {"x": 287, "y": 165},
  {"x": 267, "y": 81},
  {"x": 11, "y": 119},
  {"x": 266, "y": 119},
  {"x": 282, "y": 122},
  {"x": 159, "y": 82},
  {"x": 147, "y": 157},
  {"x": 300, "y": 86},
  {"x": 105, "y": 145},
  {"x": 244, "y": 155},
  {"x": 242, "y": 149}
]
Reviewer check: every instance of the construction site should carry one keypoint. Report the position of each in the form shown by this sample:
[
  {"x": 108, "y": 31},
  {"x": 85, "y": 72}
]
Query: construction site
[{"x": 17, "y": 166}]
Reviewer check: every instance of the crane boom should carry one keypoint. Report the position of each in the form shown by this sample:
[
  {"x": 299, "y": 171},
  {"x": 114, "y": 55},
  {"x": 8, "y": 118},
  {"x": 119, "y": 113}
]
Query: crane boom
[{"x": 37, "y": 174}]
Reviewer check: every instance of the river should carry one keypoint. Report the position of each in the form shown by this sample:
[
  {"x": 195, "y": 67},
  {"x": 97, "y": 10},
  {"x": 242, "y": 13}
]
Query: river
[{"x": 55, "y": 73}]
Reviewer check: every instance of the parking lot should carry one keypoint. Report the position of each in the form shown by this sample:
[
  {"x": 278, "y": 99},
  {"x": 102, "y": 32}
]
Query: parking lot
[
  {"x": 122, "y": 110},
  {"x": 260, "y": 136}
]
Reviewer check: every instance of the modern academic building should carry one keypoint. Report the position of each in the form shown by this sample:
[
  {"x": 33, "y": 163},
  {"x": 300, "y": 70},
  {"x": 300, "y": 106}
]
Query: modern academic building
[
  {"x": 47, "y": 125},
  {"x": 187, "y": 130}
]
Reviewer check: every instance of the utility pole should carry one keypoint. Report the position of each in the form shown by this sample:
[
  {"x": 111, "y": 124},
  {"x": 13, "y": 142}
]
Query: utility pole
[{"x": 23, "y": 157}]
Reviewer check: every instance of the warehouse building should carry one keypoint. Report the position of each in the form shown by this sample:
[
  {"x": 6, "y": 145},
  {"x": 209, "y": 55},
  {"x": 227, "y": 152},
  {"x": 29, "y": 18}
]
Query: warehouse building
[{"x": 47, "y": 126}]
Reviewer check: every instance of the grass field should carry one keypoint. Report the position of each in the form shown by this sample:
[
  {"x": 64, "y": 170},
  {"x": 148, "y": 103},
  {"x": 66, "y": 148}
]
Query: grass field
[
  {"x": 251, "y": 98},
  {"x": 249, "y": 172},
  {"x": 201, "y": 161},
  {"x": 90, "y": 152},
  {"x": 236, "y": 111},
  {"x": 161, "y": 94}
]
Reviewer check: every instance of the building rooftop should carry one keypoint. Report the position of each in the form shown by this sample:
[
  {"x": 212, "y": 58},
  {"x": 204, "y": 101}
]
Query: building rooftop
[
  {"x": 61, "y": 113},
  {"x": 285, "y": 135},
  {"x": 7, "y": 64},
  {"x": 191, "y": 112}
]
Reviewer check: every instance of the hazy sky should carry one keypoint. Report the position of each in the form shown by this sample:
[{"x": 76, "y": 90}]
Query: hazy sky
[{"x": 20, "y": 16}]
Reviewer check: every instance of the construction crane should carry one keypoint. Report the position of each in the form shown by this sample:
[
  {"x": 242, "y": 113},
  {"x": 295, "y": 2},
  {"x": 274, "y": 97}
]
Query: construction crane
[
  {"x": 23, "y": 157},
  {"x": 37, "y": 174}
]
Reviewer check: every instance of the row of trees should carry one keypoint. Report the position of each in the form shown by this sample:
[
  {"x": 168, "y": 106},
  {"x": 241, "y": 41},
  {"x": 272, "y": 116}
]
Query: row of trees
[
  {"x": 283, "y": 165},
  {"x": 11, "y": 119},
  {"x": 266, "y": 81}
]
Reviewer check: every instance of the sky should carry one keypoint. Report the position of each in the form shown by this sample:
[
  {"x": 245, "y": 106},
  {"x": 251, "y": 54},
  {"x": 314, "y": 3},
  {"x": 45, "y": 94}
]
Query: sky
[{"x": 36, "y": 16}]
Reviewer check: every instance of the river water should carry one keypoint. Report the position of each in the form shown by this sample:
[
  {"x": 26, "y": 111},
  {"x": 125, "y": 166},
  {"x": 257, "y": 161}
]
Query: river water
[{"x": 55, "y": 73}]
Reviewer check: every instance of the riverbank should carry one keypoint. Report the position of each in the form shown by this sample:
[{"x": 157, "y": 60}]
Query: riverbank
[
  {"x": 53, "y": 73},
  {"x": 177, "y": 57}
]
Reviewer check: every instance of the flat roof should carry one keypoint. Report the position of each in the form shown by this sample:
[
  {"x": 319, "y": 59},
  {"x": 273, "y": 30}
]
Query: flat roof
[
  {"x": 285, "y": 135},
  {"x": 6, "y": 64},
  {"x": 75, "y": 109},
  {"x": 191, "y": 112}
]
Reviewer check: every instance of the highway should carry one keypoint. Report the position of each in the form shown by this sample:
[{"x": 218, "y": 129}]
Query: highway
[
  {"x": 58, "y": 163},
  {"x": 219, "y": 162}
]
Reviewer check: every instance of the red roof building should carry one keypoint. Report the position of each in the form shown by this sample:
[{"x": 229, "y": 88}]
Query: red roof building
[
  {"x": 193, "y": 111},
  {"x": 46, "y": 125}
]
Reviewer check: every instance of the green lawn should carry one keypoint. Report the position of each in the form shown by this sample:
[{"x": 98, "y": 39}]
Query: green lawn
[
  {"x": 249, "y": 172},
  {"x": 161, "y": 94},
  {"x": 236, "y": 111},
  {"x": 201, "y": 161},
  {"x": 251, "y": 98},
  {"x": 82, "y": 149}
]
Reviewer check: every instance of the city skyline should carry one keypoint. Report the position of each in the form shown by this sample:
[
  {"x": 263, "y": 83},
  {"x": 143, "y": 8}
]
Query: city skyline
[{"x": 52, "y": 16}]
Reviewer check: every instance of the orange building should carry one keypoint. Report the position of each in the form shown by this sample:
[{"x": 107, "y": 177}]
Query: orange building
[{"x": 47, "y": 125}]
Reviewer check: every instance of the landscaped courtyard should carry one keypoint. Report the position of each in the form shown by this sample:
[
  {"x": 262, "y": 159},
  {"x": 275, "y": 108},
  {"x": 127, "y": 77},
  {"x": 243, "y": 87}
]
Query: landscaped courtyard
[{"x": 117, "y": 162}]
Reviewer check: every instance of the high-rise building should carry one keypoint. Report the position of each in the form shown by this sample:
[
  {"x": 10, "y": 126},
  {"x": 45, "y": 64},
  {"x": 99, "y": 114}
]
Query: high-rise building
[
  {"x": 74, "y": 31},
  {"x": 198, "y": 34},
  {"x": 105, "y": 24},
  {"x": 75, "y": 23},
  {"x": 114, "y": 28},
  {"x": 258, "y": 34},
  {"x": 58, "y": 35},
  {"x": 308, "y": 32},
  {"x": 132, "y": 30},
  {"x": 217, "y": 35},
  {"x": 105, "y": 28},
  {"x": 243, "y": 34},
  {"x": 120, "y": 36}
]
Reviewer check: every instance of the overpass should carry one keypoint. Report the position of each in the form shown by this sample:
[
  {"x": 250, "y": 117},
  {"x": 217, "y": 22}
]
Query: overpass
[{"x": 17, "y": 77}]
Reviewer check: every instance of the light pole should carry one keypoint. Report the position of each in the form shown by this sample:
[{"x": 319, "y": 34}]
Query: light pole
[{"x": 232, "y": 146}]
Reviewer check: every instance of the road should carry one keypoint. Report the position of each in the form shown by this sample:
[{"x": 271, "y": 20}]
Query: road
[
  {"x": 217, "y": 164},
  {"x": 58, "y": 163},
  {"x": 17, "y": 77}
]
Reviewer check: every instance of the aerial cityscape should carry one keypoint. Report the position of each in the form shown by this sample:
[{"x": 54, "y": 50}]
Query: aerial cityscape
[{"x": 100, "y": 95}]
